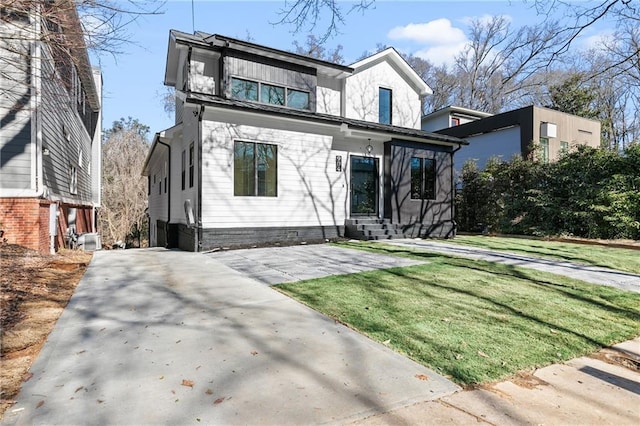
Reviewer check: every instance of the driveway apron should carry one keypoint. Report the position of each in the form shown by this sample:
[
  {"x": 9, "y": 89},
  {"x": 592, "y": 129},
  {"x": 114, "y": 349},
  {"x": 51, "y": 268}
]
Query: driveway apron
[
  {"x": 167, "y": 337},
  {"x": 590, "y": 274}
]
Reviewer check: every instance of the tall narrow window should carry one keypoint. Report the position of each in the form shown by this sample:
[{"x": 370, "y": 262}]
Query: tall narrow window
[
  {"x": 544, "y": 150},
  {"x": 73, "y": 179},
  {"x": 255, "y": 169},
  {"x": 423, "y": 178},
  {"x": 166, "y": 174},
  {"x": 384, "y": 105},
  {"x": 184, "y": 169},
  {"x": 564, "y": 147},
  {"x": 191, "y": 160}
]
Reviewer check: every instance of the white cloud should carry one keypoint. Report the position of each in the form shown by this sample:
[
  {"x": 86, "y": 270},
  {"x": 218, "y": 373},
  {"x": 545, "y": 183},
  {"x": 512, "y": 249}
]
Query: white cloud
[
  {"x": 597, "y": 41},
  {"x": 439, "y": 31},
  {"x": 439, "y": 41}
]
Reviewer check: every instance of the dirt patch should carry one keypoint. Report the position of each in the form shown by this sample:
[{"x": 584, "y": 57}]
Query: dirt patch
[
  {"x": 34, "y": 289},
  {"x": 615, "y": 357}
]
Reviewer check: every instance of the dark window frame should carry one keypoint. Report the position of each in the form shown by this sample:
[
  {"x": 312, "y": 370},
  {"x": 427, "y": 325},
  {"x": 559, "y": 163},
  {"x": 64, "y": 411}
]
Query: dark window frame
[
  {"x": 424, "y": 179},
  {"x": 383, "y": 119},
  {"x": 184, "y": 169},
  {"x": 260, "y": 98},
  {"x": 257, "y": 185}
]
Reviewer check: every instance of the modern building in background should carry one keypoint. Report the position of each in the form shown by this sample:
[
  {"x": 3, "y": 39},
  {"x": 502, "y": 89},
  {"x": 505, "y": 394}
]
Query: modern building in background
[
  {"x": 50, "y": 132},
  {"x": 270, "y": 146},
  {"x": 530, "y": 132}
]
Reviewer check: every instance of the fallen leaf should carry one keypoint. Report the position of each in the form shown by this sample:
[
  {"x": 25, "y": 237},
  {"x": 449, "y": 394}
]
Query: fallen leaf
[
  {"x": 40, "y": 404},
  {"x": 219, "y": 400},
  {"x": 26, "y": 377},
  {"x": 254, "y": 353},
  {"x": 386, "y": 342},
  {"x": 422, "y": 377},
  {"x": 99, "y": 401},
  {"x": 188, "y": 383},
  {"x": 161, "y": 377},
  {"x": 553, "y": 331},
  {"x": 79, "y": 389},
  {"x": 482, "y": 354},
  {"x": 209, "y": 391}
]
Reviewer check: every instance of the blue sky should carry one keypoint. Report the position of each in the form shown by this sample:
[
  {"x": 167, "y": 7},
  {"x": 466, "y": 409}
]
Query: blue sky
[{"x": 435, "y": 30}]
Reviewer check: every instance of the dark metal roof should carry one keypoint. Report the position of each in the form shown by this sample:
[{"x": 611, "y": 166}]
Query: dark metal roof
[
  {"x": 218, "y": 41},
  {"x": 395, "y": 131}
]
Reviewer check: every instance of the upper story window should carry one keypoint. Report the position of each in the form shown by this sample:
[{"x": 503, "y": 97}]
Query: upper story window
[
  {"x": 455, "y": 121},
  {"x": 384, "y": 106},
  {"x": 244, "y": 89},
  {"x": 544, "y": 149},
  {"x": 269, "y": 94}
]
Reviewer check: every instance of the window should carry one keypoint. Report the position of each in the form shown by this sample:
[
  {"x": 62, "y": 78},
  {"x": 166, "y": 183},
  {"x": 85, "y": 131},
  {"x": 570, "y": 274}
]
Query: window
[
  {"x": 544, "y": 149},
  {"x": 423, "y": 178},
  {"x": 255, "y": 169},
  {"x": 297, "y": 99},
  {"x": 384, "y": 106},
  {"x": 73, "y": 179},
  {"x": 165, "y": 177},
  {"x": 244, "y": 89},
  {"x": 455, "y": 121},
  {"x": 149, "y": 185},
  {"x": 271, "y": 94},
  {"x": 564, "y": 147},
  {"x": 191, "y": 154},
  {"x": 184, "y": 168}
]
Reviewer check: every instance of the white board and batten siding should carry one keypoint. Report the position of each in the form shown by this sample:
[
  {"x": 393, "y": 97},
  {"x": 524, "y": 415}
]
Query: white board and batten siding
[
  {"x": 310, "y": 190},
  {"x": 362, "y": 96}
]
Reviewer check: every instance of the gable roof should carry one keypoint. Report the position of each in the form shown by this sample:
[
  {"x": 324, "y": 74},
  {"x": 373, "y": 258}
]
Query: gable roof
[{"x": 392, "y": 56}]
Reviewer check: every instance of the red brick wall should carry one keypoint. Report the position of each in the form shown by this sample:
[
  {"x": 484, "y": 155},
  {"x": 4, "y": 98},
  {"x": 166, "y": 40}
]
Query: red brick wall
[
  {"x": 21, "y": 221},
  {"x": 25, "y": 222}
]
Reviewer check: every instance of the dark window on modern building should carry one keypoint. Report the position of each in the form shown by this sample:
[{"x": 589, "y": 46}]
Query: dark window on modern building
[
  {"x": 455, "y": 121},
  {"x": 184, "y": 169},
  {"x": 269, "y": 94},
  {"x": 244, "y": 89},
  {"x": 423, "y": 178},
  {"x": 384, "y": 106},
  {"x": 255, "y": 169},
  {"x": 191, "y": 160}
]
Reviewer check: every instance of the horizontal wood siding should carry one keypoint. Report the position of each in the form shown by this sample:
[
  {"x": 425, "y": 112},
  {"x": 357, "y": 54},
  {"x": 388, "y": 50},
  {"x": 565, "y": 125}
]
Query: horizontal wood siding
[
  {"x": 158, "y": 198},
  {"x": 66, "y": 138},
  {"x": 310, "y": 191},
  {"x": 15, "y": 109}
]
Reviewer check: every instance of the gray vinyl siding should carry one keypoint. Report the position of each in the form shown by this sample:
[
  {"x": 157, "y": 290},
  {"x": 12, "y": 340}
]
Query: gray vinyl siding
[
  {"x": 59, "y": 116},
  {"x": 15, "y": 110},
  {"x": 270, "y": 73}
]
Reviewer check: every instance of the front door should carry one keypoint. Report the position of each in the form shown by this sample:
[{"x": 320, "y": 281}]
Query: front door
[{"x": 364, "y": 186}]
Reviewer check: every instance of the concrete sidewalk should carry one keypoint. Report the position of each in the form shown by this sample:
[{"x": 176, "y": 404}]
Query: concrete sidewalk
[
  {"x": 583, "y": 391},
  {"x": 167, "y": 337},
  {"x": 591, "y": 274}
]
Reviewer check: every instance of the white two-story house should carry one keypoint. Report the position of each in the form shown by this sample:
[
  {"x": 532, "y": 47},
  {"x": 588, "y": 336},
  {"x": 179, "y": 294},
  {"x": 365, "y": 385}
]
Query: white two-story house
[{"x": 270, "y": 146}]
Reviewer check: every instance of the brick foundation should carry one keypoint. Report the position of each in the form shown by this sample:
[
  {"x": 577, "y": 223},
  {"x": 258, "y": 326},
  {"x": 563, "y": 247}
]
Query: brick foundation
[{"x": 25, "y": 222}]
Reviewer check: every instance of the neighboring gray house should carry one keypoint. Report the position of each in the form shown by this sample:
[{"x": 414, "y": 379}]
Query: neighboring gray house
[
  {"x": 50, "y": 132},
  {"x": 270, "y": 146},
  {"x": 528, "y": 132}
]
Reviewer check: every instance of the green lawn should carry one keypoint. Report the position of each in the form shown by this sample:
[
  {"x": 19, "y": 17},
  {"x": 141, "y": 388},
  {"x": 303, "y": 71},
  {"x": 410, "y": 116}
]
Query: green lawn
[
  {"x": 627, "y": 260},
  {"x": 471, "y": 320}
]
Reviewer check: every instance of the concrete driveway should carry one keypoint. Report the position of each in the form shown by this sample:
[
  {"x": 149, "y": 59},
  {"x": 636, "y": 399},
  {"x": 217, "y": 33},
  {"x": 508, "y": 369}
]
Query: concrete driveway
[{"x": 167, "y": 337}]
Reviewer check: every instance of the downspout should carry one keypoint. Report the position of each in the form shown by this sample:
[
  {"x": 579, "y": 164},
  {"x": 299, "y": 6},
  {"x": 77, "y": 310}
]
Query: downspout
[
  {"x": 37, "y": 85},
  {"x": 453, "y": 192},
  {"x": 199, "y": 200},
  {"x": 169, "y": 189}
]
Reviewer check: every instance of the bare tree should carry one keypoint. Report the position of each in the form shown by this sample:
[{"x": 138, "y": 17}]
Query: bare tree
[
  {"x": 310, "y": 14},
  {"x": 315, "y": 48},
  {"x": 124, "y": 190}
]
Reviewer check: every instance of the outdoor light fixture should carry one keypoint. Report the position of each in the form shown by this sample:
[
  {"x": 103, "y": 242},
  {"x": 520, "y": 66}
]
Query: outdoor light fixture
[{"x": 369, "y": 147}]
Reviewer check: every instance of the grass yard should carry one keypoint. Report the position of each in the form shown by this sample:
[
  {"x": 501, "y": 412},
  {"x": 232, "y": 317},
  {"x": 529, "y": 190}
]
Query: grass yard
[
  {"x": 474, "y": 321},
  {"x": 627, "y": 260}
]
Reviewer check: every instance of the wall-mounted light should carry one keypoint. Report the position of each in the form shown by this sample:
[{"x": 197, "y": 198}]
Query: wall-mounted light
[
  {"x": 369, "y": 147},
  {"x": 45, "y": 151}
]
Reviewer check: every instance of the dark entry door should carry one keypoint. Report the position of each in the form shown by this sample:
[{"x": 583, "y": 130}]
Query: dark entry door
[{"x": 364, "y": 186}]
